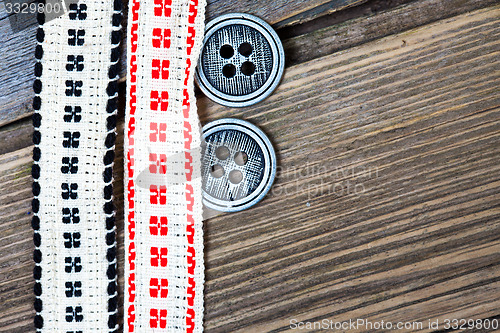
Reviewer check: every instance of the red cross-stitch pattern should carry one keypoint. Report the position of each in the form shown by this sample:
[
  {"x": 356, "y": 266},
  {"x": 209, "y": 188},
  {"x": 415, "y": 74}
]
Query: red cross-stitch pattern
[
  {"x": 130, "y": 218},
  {"x": 188, "y": 138},
  {"x": 158, "y": 98}
]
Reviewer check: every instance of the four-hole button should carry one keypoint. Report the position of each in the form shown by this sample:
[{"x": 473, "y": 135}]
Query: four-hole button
[{"x": 241, "y": 61}]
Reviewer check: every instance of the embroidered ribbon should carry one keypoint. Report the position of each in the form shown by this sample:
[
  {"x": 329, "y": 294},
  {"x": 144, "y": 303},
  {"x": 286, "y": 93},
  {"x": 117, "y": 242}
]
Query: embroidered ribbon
[
  {"x": 163, "y": 212},
  {"x": 74, "y": 120}
]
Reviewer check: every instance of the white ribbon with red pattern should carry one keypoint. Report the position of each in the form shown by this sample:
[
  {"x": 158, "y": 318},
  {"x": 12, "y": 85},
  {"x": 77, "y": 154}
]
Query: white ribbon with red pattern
[{"x": 163, "y": 201}]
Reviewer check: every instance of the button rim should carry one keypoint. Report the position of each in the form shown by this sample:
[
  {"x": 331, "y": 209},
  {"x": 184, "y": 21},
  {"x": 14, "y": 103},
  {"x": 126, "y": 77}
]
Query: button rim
[
  {"x": 258, "y": 194},
  {"x": 274, "y": 78}
]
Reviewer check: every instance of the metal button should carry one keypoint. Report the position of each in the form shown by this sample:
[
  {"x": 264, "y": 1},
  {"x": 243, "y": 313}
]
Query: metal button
[
  {"x": 238, "y": 165},
  {"x": 241, "y": 62}
]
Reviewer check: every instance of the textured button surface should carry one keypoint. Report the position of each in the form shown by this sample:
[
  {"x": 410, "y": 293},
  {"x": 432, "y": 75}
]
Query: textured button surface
[
  {"x": 241, "y": 62},
  {"x": 238, "y": 166}
]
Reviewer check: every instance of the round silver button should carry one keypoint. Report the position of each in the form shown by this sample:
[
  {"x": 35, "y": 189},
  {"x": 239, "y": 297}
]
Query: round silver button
[
  {"x": 238, "y": 165},
  {"x": 241, "y": 62}
]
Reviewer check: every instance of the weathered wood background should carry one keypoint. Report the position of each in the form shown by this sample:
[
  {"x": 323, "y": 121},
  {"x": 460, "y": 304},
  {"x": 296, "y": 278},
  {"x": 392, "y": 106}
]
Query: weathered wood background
[{"x": 387, "y": 201}]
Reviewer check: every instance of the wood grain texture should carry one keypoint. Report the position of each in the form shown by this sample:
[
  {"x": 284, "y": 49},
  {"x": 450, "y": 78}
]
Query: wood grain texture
[
  {"x": 342, "y": 36},
  {"x": 278, "y": 12},
  {"x": 387, "y": 201},
  {"x": 412, "y": 122}
]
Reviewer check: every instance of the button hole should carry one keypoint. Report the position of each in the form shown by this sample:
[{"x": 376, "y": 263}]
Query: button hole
[
  {"x": 222, "y": 153},
  {"x": 235, "y": 176},
  {"x": 229, "y": 71},
  {"x": 217, "y": 171},
  {"x": 241, "y": 158},
  {"x": 245, "y": 49},
  {"x": 248, "y": 68},
  {"x": 226, "y": 51}
]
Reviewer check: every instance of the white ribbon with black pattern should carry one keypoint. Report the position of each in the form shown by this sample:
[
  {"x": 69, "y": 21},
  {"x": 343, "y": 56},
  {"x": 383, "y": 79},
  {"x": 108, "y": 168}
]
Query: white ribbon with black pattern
[{"x": 75, "y": 119}]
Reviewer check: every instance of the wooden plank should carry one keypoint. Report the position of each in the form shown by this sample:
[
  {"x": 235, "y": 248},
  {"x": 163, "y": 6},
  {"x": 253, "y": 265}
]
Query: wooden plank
[
  {"x": 343, "y": 36},
  {"x": 281, "y": 13},
  {"x": 17, "y": 67},
  {"x": 386, "y": 203},
  {"x": 3, "y": 12},
  {"x": 15, "y": 136},
  {"x": 416, "y": 126},
  {"x": 18, "y": 61},
  {"x": 276, "y": 12}
]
